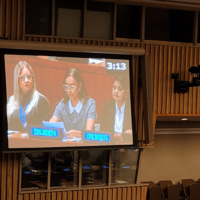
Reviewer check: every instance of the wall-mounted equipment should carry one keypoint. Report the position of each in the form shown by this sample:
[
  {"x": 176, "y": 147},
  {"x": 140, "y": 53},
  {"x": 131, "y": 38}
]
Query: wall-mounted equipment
[{"x": 183, "y": 86}]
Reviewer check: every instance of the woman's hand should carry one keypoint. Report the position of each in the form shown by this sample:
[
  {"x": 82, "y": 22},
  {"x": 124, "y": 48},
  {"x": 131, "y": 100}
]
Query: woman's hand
[
  {"x": 73, "y": 133},
  {"x": 117, "y": 137},
  {"x": 128, "y": 132},
  {"x": 54, "y": 119}
]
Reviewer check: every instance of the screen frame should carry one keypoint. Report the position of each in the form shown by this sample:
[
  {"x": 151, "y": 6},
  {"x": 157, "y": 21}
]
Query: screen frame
[{"x": 3, "y": 100}]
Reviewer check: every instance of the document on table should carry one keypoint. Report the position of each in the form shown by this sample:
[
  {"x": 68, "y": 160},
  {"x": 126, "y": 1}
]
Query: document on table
[
  {"x": 54, "y": 125},
  {"x": 12, "y": 131}
]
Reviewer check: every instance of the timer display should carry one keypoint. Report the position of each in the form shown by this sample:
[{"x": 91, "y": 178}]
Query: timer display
[{"x": 116, "y": 66}]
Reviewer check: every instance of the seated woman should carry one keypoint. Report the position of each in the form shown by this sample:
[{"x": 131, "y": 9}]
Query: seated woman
[
  {"x": 27, "y": 105},
  {"x": 116, "y": 115},
  {"x": 76, "y": 110}
]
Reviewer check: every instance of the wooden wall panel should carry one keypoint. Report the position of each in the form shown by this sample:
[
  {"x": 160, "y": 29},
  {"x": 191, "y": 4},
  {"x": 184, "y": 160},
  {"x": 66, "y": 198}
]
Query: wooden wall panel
[
  {"x": 9, "y": 187},
  {"x": 19, "y": 19},
  {"x": 14, "y": 20},
  {"x": 2, "y": 17},
  {"x": 164, "y": 60},
  {"x": 11, "y": 20},
  {"x": 8, "y": 18}
]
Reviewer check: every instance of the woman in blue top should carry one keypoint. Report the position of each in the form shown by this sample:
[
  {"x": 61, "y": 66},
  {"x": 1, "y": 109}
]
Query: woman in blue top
[{"x": 76, "y": 110}]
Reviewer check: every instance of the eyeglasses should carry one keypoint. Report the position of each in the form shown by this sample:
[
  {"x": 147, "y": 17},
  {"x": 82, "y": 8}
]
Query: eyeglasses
[
  {"x": 69, "y": 88},
  {"x": 115, "y": 88},
  {"x": 24, "y": 77}
]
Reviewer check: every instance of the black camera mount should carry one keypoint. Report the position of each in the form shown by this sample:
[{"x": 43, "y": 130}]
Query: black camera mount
[{"x": 183, "y": 86}]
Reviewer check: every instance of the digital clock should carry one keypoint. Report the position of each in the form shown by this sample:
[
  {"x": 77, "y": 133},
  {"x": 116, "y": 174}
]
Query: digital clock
[
  {"x": 117, "y": 66},
  {"x": 121, "y": 66}
]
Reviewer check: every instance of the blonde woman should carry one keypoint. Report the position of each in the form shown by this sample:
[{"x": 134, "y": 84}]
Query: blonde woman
[{"x": 27, "y": 105}]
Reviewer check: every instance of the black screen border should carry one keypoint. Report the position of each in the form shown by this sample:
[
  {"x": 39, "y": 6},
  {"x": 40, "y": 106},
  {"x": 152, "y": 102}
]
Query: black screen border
[{"x": 3, "y": 100}]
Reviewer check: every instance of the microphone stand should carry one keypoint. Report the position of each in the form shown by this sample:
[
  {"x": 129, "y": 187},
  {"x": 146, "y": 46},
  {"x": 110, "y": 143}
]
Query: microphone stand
[{"x": 51, "y": 109}]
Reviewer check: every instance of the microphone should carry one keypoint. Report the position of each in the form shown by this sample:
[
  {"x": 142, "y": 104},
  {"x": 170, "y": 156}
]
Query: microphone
[{"x": 57, "y": 102}]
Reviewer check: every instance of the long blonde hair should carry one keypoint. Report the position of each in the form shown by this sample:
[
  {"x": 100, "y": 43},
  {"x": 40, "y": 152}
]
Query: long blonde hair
[{"x": 15, "y": 100}]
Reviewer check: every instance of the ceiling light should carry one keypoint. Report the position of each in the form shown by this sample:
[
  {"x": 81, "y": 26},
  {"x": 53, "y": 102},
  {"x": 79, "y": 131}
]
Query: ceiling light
[{"x": 184, "y": 119}]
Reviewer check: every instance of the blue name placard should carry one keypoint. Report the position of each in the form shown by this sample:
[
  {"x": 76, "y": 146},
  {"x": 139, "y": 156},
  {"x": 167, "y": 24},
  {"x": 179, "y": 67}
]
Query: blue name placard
[
  {"x": 97, "y": 137},
  {"x": 43, "y": 132}
]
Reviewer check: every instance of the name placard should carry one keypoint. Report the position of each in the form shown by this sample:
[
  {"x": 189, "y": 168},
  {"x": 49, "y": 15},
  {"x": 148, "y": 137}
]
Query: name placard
[
  {"x": 45, "y": 133},
  {"x": 97, "y": 137}
]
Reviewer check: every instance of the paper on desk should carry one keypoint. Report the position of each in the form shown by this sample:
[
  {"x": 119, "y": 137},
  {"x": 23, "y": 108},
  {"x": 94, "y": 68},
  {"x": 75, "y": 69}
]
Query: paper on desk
[
  {"x": 54, "y": 125},
  {"x": 12, "y": 131}
]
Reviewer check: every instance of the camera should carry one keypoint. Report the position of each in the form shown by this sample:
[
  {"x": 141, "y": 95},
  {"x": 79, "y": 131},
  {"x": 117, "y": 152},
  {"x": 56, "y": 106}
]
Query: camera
[{"x": 183, "y": 86}]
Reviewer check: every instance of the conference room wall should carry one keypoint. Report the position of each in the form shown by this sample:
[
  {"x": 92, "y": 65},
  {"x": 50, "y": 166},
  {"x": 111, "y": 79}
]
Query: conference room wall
[{"x": 174, "y": 157}]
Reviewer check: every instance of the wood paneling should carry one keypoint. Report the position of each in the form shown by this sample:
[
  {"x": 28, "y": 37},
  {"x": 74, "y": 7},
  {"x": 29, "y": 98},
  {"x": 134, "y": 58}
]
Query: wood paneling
[
  {"x": 11, "y": 20},
  {"x": 166, "y": 58},
  {"x": 123, "y": 193},
  {"x": 2, "y": 18},
  {"x": 9, "y": 182},
  {"x": 19, "y": 19},
  {"x": 8, "y": 18},
  {"x": 173, "y": 59}
]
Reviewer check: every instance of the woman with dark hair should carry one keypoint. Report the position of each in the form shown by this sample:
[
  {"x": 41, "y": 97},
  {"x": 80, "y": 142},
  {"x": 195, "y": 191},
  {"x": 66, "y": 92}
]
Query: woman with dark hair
[
  {"x": 116, "y": 115},
  {"x": 76, "y": 110}
]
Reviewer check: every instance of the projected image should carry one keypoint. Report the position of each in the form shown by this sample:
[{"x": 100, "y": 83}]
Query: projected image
[{"x": 67, "y": 101}]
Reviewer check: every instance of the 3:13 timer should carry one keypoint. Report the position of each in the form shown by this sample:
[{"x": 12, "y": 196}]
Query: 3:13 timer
[{"x": 116, "y": 66}]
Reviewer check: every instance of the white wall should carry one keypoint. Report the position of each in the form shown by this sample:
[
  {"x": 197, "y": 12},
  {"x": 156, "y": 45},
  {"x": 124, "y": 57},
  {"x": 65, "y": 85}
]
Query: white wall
[{"x": 174, "y": 157}]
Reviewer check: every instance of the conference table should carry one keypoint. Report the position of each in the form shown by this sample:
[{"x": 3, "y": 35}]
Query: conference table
[{"x": 22, "y": 140}]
